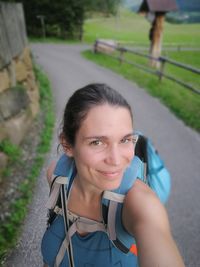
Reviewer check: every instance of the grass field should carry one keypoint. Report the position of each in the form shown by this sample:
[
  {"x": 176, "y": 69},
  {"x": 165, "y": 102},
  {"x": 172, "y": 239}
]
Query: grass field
[{"x": 132, "y": 29}]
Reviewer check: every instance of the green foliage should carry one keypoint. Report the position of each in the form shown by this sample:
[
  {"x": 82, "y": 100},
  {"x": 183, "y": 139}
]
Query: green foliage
[
  {"x": 11, "y": 150},
  {"x": 107, "y": 7},
  {"x": 63, "y": 18},
  {"x": 11, "y": 227},
  {"x": 48, "y": 109}
]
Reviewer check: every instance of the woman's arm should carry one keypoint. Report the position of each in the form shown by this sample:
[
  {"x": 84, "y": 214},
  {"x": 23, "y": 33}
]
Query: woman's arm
[{"x": 146, "y": 219}]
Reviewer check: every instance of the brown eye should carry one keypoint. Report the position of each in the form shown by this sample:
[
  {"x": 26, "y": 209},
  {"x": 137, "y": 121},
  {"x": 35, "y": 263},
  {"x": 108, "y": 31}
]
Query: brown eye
[
  {"x": 126, "y": 140},
  {"x": 96, "y": 143}
]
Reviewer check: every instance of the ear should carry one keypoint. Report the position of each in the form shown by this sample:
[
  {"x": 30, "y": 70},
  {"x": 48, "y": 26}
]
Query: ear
[{"x": 68, "y": 149}]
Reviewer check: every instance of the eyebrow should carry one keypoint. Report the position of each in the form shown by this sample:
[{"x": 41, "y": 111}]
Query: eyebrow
[{"x": 104, "y": 136}]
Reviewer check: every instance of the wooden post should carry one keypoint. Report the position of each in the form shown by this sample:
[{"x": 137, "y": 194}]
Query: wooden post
[
  {"x": 42, "y": 18},
  {"x": 121, "y": 58},
  {"x": 95, "y": 46},
  {"x": 162, "y": 66},
  {"x": 155, "y": 36}
]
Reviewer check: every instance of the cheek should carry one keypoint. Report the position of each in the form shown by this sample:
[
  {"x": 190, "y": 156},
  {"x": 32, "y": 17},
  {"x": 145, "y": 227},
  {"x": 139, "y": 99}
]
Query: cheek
[
  {"x": 129, "y": 153},
  {"x": 86, "y": 158},
  {"x": 130, "y": 157}
]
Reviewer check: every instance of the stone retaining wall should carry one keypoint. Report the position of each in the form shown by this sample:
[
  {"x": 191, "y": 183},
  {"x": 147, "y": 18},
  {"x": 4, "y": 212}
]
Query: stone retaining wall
[{"x": 19, "y": 95}]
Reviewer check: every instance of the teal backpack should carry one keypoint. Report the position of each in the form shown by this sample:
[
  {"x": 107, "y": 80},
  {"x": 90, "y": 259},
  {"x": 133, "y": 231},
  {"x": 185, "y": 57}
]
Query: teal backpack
[{"x": 155, "y": 173}]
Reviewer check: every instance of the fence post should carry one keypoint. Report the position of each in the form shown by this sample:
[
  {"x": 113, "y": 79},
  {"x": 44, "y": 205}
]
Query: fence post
[
  {"x": 121, "y": 58},
  {"x": 95, "y": 46},
  {"x": 162, "y": 66}
]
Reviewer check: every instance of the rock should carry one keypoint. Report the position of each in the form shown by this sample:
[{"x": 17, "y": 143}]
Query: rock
[
  {"x": 105, "y": 46},
  {"x": 3, "y": 160},
  {"x": 12, "y": 101},
  {"x": 26, "y": 58},
  {"x": 17, "y": 127},
  {"x": 33, "y": 93},
  {"x": 3, "y": 134},
  {"x": 20, "y": 70},
  {"x": 4, "y": 80}
]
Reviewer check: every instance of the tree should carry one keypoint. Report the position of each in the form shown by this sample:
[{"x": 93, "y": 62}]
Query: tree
[
  {"x": 105, "y": 6},
  {"x": 64, "y": 18}
]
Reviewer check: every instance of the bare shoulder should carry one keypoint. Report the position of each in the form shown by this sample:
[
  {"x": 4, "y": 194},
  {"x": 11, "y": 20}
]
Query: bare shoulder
[
  {"x": 143, "y": 208},
  {"x": 145, "y": 217}
]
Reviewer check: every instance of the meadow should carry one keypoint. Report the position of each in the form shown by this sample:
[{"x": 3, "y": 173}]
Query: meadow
[
  {"x": 132, "y": 28},
  {"x": 181, "y": 42}
]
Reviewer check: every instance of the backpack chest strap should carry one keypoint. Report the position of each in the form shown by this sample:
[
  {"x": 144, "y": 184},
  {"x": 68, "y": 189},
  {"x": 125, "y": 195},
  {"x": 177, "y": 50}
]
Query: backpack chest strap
[
  {"x": 116, "y": 197},
  {"x": 85, "y": 225},
  {"x": 79, "y": 224}
]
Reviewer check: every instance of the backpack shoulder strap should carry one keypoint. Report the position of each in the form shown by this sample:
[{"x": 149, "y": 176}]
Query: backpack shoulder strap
[
  {"x": 63, "y": 174},
  {"x": 65, "y": 166},
  {"x": 112, "y": 202}
]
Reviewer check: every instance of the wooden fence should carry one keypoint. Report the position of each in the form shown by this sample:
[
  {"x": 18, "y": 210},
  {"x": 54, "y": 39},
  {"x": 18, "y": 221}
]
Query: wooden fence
[{"x": 159, "y": 72}]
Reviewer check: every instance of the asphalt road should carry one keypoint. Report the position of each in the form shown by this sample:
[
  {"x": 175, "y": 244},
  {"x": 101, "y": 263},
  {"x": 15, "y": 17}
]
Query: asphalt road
[{"x": 178, "y": 145}]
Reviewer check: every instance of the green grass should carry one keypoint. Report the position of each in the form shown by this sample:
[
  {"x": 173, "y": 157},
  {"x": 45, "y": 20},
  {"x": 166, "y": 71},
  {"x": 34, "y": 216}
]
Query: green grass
[
  {"x": 12, "y": 151},
  {"x": 127, "y": 28},
  {"x": 182, "y": 34},
  {"x": 133, "y": 30},
  {"x": 11, "y": 227},
  {"x": 189, "y": 58},
  {"x": 182, "y": 102},
  {"x": 48, "y": 109}
]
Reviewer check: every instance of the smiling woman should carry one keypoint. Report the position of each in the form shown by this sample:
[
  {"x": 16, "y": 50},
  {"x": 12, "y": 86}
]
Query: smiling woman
[
  {"x": 103, "y": 148},
  {"x": 100, "y": 215}
]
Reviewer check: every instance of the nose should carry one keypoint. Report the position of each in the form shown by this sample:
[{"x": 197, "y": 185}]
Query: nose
[{"x": 113, "y": 156}]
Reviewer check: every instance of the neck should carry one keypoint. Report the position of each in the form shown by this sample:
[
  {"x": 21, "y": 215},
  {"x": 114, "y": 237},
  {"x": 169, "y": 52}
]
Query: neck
[
  {"x": 85, "y": 200},
  {"x": 87, "y": 192}
]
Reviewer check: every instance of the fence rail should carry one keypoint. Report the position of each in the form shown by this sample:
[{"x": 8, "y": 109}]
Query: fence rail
[{"x": 159, "y": 72}]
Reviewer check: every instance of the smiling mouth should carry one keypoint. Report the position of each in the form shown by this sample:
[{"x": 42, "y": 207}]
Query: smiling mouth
[{"x": 111, "y": 174}]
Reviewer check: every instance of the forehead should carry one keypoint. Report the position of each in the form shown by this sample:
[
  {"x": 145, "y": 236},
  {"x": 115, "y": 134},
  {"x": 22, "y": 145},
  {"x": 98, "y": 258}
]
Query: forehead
[{"x": 105, "y": 119}]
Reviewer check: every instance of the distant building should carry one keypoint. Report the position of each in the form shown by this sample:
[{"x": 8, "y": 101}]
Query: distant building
[
  {"x": 188, "y": 5},
  {"x": 188, "y": 12},
  {"x": 158, "y": 6}
]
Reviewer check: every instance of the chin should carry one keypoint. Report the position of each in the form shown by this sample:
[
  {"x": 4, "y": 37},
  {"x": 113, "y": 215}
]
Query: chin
[{"x": 112, "y": 186}]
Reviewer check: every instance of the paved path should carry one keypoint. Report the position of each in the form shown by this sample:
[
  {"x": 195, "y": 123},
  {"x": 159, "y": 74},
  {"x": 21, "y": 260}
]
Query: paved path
[{"x": 179, "y": 146}]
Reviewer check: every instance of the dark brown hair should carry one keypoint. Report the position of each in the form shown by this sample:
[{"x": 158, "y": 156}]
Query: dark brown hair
[{"x": 82, "y": 101}]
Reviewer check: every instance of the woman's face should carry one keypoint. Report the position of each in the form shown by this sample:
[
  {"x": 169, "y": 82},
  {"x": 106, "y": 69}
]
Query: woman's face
[{"x": 104, "y": 147}]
